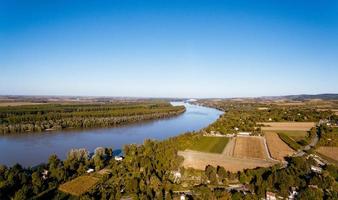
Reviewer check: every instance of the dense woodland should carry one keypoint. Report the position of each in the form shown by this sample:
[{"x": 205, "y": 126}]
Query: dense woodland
[{"x": 36, "y": 118}]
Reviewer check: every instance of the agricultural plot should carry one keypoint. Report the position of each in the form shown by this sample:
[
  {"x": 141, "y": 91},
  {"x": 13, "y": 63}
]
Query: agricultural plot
[
  {"x": 331, "y": 152},
  {"x": 249, "y": 147},
  {"x": 199, "y": 160},
  {"x": 79, "y": 185},
  {"x": 210, "y": 144},
  {"x": 287, "y": 126},
  {"x": 240, "y": 153},
  {"x": 295, "y": 135},
  {"x": 278, "y": 149}
]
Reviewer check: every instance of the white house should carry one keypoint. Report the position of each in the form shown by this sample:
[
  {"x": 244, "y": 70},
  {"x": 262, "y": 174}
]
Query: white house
[
  {"x": 293, "y": 193},
  {"x": 244, "y": 133},
  {"x": 118, "y": 158},
  {"x": 90, "y": 170},
  {"x": 45, "y": 174},
  {"x": 270, "y": 196},
  {"x": 316, "y": 169}
]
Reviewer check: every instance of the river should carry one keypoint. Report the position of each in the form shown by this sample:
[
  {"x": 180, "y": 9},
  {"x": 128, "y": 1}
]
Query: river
[{"x": 31, "y": 149}]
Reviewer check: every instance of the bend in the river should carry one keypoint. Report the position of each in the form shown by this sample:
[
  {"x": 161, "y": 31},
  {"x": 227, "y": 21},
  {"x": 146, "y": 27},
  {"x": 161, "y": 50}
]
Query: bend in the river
[{"x": 34, "y": 148}]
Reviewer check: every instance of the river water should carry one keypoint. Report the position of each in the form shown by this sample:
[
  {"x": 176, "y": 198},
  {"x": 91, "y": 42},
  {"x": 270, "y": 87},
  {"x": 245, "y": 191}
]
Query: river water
[{"x": 31, "y": 149}]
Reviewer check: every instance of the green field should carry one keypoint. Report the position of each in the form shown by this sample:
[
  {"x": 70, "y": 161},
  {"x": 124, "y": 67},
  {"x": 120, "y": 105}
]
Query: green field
[
  {"x": 210, "y": 144},
  {"x": 295, "y": 135},
  {"x": 289, "y": 141},
  {"x": 79, "y": 185}
]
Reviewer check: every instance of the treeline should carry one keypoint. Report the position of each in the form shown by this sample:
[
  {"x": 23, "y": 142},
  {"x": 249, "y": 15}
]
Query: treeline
[{"x": 36, "y": 118}]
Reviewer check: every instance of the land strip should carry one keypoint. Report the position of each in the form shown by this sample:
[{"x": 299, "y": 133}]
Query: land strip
[
  {"x": 287, "y": 126},
  {"x": 277, "y": 148}
]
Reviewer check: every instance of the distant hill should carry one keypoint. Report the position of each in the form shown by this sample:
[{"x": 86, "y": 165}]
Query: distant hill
[{"x": 302, "y": 97}]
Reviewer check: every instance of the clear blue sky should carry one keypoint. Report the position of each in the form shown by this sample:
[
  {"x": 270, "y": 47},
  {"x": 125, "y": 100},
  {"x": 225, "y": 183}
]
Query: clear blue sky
[{"x": 168, "y": 48}]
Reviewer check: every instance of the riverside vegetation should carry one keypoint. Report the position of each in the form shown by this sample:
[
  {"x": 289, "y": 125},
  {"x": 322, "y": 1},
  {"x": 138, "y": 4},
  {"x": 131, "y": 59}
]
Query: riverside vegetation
[
  {"x": 146, "y": 171},
  {"x": 37, "y": 118}
]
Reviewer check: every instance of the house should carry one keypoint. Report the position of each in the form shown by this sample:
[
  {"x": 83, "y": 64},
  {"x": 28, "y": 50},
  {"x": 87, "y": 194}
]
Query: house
[
  {"x": 270, "y": 196},
  {"x": 293, "y": 193},
  {"x": 244, "y": 133},
  {"x": 177, "y": 176},
  {"x": 90, "y": 170},
  {"x": 236, "y": 129},
  {"x": 316, "y": 169},
  {"x": 118, "y": 158},
  {"x": 45, "y": 174},
  {"x": 319, "y": 162}
]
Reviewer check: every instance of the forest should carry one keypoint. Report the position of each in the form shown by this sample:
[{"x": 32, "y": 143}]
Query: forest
[{"x": 37, "y": 118}]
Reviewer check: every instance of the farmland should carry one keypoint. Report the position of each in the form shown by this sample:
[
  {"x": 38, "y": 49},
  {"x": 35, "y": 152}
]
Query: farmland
[
  {"x": 240, "y": 153},
  {"x": 79, "y": 185},
  {"x": 287, "y": 126},
  {"x": 331, "y": 152},
  {"x": 210, "y": 144},
  {"x": 278, "y": 149},
  {"x": 295, "y": 135},
  {"x": 249, "y": 147}
]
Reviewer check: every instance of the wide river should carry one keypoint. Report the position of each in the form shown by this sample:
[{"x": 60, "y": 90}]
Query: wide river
[{"x": 30, "y": 149}]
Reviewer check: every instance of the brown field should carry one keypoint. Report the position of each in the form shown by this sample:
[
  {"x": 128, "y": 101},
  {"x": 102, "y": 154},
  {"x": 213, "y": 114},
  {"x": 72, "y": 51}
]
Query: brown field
[
  {"x": 79, "y": 185},
  {"x": 287, "y": 126},
  {"x": 249, "y": 147},
  {"x": 199, "y": 160},
  {"x": 331, "y": 152},
  {"x": 278, "y": 149}
]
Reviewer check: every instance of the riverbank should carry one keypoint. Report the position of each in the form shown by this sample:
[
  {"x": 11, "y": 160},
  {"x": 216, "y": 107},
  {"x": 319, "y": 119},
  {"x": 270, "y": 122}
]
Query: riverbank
[
  {"x": 31, "y": 149},
  {"x": 51, "y": 117}
]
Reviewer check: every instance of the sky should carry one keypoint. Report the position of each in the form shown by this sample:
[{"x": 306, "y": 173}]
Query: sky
[{"x": 184, "y": 48}]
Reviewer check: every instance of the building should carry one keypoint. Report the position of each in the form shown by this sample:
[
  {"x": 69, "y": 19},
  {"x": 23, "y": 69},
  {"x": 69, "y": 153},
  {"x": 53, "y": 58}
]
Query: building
[
  {"x": 45, "y": 174},
  {"x": 90, "y": 170},
  {"x": 270, "y": 196},
  {"x": 244, "y": 133},
  {"x": 316, "y": 169},
  {"x": 118, "y": 158},
  {"x": 293, "y": 193}
]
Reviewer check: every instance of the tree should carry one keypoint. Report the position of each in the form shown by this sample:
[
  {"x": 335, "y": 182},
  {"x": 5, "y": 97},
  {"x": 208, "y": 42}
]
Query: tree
[
  {"x": 210, "y": 172},
  {"x": 36, "y": 182},
  {"x": 311, "y": 194}
]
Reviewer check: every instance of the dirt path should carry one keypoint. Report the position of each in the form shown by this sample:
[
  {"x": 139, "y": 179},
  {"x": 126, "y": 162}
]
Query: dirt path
[{"x": 229, "y": 148}]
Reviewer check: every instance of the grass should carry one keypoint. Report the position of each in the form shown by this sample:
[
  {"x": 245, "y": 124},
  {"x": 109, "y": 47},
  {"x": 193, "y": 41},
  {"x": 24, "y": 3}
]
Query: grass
[
  {"x": 210, "y": 144},
  {"x": 289, "y": 141},
  {"x": 295, "y": 135},
  {"x": 79, "y": 185}
]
